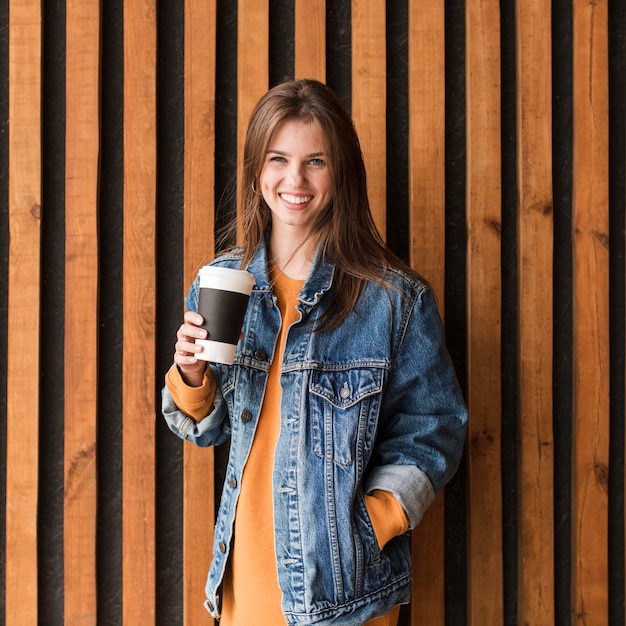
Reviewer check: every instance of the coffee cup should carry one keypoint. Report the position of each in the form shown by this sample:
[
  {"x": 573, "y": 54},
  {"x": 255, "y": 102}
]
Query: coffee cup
[{"x": 222, "y": 302}]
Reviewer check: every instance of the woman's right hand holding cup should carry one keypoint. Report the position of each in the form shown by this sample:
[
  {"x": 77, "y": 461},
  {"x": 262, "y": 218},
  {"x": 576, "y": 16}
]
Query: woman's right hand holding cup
[{"x": 191, "y": 368}]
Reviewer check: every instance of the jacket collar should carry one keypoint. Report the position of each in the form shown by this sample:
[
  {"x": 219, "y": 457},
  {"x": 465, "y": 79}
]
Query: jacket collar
[{"x": 319, "y": 280}]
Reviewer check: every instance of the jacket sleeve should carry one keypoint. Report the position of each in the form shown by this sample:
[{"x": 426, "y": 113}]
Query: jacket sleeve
[
  {"x": 211, "y": 430},
  {"x": 423, "y": 420},
  {"x": 193, "y": 401}
]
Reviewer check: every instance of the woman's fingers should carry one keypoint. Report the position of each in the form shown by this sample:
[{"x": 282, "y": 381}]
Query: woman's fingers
[
  {"x": 194, "y": 319},
  {"x": 189, "y": 331}
]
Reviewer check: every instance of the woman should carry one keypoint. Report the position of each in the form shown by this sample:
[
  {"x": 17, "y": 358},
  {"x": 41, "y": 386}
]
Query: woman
[{"x": 342, "y": 408}]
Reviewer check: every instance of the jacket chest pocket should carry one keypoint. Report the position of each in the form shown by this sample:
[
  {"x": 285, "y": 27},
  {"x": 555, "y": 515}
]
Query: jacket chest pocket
[{"x": 344, "y": 407}]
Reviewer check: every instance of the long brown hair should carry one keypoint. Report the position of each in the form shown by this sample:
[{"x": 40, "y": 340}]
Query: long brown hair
[{"x": 345, "y": 230}]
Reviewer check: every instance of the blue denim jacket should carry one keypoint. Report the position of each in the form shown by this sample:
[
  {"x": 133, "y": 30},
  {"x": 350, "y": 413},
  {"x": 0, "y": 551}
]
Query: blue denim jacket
[{"x": 372, "y": 405}]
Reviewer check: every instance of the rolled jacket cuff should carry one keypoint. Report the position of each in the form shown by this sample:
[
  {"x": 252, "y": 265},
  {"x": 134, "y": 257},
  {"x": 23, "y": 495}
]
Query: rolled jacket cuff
[
  {"x": 411, "y": 487},
  {"x": 196, "y": 402}
]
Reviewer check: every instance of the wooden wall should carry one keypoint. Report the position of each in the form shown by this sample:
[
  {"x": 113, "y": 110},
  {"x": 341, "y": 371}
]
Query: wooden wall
[{"x": 494, "y": 137}]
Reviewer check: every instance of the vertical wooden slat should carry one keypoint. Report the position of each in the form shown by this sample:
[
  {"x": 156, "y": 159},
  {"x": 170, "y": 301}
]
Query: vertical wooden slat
[
  {"x": 199, "y": 223},
  {"x": 81, "y": 307},
  {"x": 22, "y": 443},
  {"x": 138, "y": 371},
  {"x": 252, "y": 66},
  {"x": 427, "y": 228},
  {"x": 535, "y": 244},
  {"x": 427, "y": 141},
  {"x": 484, "y": 320},
  {"x": 590, "y": 443},
  {"x": 310, "y": 46},
  {"x": 369, "y": 99}
]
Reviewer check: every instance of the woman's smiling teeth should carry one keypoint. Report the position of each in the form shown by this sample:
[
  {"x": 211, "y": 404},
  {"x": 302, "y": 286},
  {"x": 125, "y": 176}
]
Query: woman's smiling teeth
[{"x": 295, "y": 199}]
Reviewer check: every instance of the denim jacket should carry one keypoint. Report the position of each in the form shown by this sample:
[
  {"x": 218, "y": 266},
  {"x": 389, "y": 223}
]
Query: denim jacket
[{"x": 374, "y": 404}]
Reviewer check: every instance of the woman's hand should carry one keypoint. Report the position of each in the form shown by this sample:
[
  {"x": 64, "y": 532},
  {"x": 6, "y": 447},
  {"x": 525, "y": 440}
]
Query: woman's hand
[{"x": 191, "y": 368}]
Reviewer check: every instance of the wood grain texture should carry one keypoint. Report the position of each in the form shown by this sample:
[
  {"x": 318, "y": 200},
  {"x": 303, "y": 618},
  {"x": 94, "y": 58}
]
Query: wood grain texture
[
  {"x": 427, "y": 141},
  {"x": 22, "y": 443},
  {"x": 310, "y": 43},
  {"x": 199, "y": 217},
  {"x": 252, "y": 67},
  {"x": 81, "y": 309},
  {"x": 139, "y": 292},
  {"x": 369, "y": 99},
  {"x": 590, "y": 236},
  {"x": 535, "y": 279},
  {"x": 484, "y": 295}
]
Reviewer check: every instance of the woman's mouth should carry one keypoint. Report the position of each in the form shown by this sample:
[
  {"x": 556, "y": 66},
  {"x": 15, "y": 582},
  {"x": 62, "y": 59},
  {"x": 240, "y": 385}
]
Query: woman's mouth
[{"x": 295, "y": 199}]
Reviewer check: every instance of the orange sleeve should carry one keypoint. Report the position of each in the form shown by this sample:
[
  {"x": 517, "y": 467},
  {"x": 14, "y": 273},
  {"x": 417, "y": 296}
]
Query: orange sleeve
[
  {"x": 197, "y": 402},
  {"x": 387, "y": 515}
]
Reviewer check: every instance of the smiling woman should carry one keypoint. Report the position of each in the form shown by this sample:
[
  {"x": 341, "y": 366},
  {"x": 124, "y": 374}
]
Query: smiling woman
[{"x": 364, "y": 427}]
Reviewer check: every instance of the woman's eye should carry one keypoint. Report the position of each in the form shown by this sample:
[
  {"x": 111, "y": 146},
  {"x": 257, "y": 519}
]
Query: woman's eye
[
  {"x": 277, "y": 159},
  {"x": 317, "y": 162}
]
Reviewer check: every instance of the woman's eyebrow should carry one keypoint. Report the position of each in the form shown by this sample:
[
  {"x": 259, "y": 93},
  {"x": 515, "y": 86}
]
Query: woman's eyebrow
[{"x": 313, "y": 155}]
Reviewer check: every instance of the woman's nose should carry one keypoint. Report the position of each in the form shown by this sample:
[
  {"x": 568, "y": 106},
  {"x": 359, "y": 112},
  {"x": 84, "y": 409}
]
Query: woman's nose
[{"x": 295, "y": 175}]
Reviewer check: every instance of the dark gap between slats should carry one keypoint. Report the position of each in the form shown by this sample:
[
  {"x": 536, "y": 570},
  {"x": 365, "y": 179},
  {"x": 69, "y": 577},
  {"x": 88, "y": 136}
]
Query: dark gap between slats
[
  {"x": 226, "y": 118},
  {"x": 170, "y": 267},
  {"x": 562, "y": 103},
  {"x": 281, "y": 40},
  {"x": 110, "y": 315},
  {"x": 397, "y": 121},
  {"x": 509, "y": 314},
  {"x": 455, "y": 297},
  {"x": 338, "y": 49},
  {"x": 52, "y": 320}
]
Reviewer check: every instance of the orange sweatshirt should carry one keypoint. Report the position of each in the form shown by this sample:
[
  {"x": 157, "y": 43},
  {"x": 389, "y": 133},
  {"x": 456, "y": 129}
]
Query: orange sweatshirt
[{"x": 253, "y": 559}]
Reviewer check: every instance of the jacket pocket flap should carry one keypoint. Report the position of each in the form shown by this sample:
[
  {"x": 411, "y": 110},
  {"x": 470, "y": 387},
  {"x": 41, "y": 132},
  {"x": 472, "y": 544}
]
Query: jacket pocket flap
[{"x": 344, "y": 388}]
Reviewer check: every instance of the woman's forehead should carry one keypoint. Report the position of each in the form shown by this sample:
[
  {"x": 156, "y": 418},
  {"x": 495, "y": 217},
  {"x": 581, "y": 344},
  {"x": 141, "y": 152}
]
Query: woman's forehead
[{"x": 293, "y": 125}]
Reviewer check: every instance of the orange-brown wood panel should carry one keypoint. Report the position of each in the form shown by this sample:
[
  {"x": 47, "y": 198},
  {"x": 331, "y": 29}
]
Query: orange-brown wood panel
[
  {"x": 139, "y": 275},
  {"x": 535, "y": 249},
  {"x": 484, "y": 295},
  {"x": 427, "y": 142},
  {"x": 82, "y": 143},
  {"x": 199, "y": 223},
  {"x": 22, "y": 443},
  {"x": 252, "y": 66},
  {"x": 427, "y": 229},
  {"x": 590, "y": 443},
  {"x": 369, "y": 100},
  {"x": 310, "y": 44}
]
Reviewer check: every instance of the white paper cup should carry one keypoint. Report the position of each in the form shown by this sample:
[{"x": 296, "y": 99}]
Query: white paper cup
[{"x": 222, "y": 302}]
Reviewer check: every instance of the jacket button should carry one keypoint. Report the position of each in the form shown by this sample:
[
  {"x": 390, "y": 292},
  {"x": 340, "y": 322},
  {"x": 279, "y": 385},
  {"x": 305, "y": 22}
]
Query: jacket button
[
  {"x": 344, "y": 392},
  {"x": 233, "y": 482},
  {"x": 222, "y": 547},
  {"x": 260, "y": 355},
  {"x": 246, "y": 416}
]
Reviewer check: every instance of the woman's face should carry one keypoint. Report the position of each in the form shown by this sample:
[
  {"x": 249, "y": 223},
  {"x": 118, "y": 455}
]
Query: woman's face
[{"x": 296, "y": 180}]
